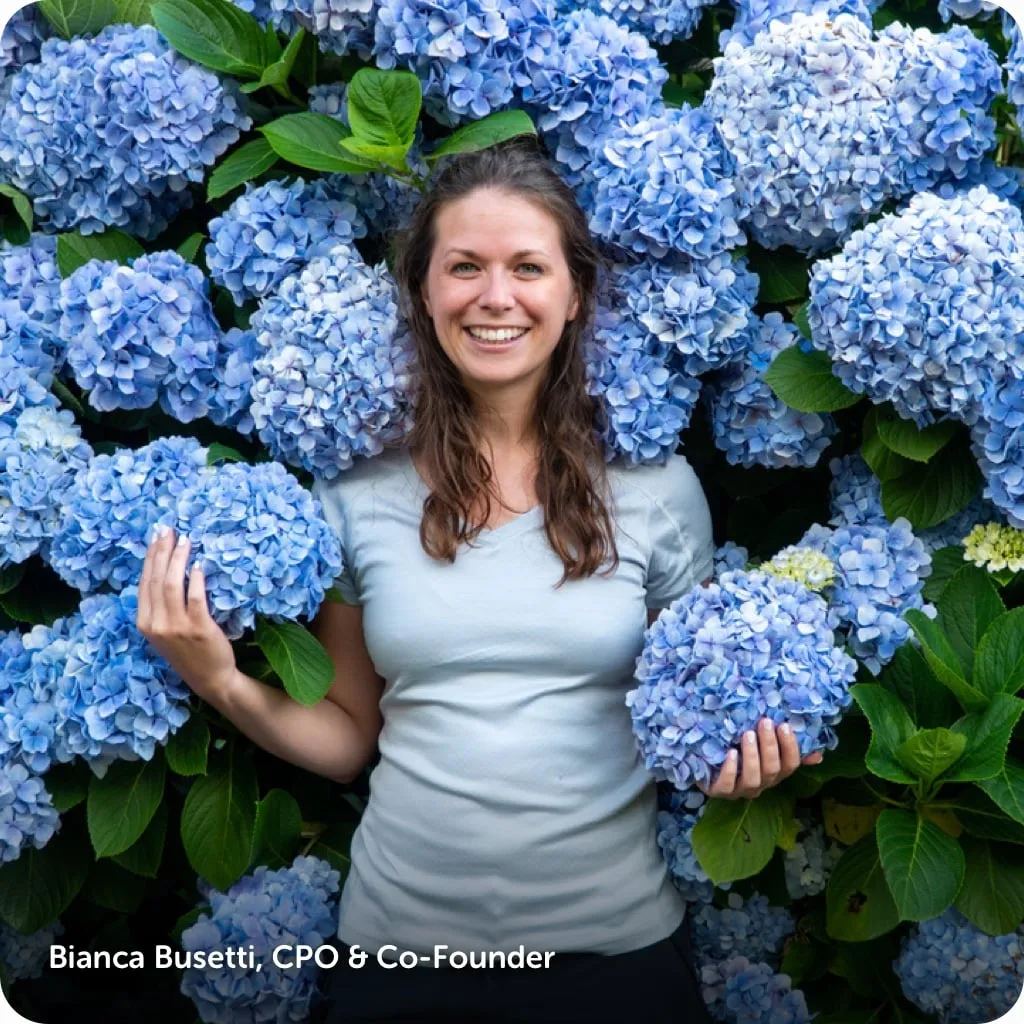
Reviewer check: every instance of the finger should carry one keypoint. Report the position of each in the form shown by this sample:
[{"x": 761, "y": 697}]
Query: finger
[
  {"x": 161, "y": 558},
  {"x": 726, "y": 781},
  {"x": 771, "y": 759},
  {"x": 198, "y": 610},
  {"x": 790, "y": 749},
  {"x": 750, "y": 776},
  {"x": 816, "y": 758},
  {"x": 143, "y": 610},
  {"x": 174, "y": 584}
]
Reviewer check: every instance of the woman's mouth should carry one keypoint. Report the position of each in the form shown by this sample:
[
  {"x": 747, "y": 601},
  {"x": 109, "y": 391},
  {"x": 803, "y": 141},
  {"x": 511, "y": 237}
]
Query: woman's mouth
[{"x": 495, "y": 339}]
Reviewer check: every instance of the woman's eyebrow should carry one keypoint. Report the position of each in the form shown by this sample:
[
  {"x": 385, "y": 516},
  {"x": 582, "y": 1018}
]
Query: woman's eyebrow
[{"x": 516, "y": 255}]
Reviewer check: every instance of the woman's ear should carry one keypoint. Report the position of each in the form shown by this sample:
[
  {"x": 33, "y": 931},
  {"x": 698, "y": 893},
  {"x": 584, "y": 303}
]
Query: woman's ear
[
  {"x": 426, "y": 301},
  {"x": 574, "y": 306}
]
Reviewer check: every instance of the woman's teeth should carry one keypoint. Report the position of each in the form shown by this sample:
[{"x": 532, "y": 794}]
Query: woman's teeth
[{"x": 496, "y": 336}]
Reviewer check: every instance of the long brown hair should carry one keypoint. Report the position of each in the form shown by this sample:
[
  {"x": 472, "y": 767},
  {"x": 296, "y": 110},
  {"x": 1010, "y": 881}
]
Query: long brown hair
[{"x": 571, "y": 480}]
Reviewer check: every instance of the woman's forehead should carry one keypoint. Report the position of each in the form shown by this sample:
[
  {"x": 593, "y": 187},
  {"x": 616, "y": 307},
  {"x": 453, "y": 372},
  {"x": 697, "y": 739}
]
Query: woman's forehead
[{"x": 498, "y": 219}]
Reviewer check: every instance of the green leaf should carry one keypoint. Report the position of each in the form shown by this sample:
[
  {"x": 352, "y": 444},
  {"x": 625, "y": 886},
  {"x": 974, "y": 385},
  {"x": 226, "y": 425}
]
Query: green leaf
[
  {"x": 298, "y": 657},
  {"x": 992, "y": 896},
  {"x": 78, "y": 17},
  {"x": 946, "y": 562},
  {"x": 276, "y": 74},
  {"x": 859, "y": 905},
  {"x": 190, "y": 247},
  {"x": 983, "y": 818},
  {"x": 134, "y": 12},
  {"x": 891, "y": 727},
  {"x": 187, "y": 749},
  {"x": 488, "y": 131},
  {"x": 313, "y": 141},
  {"x": 805, "y": 382},
  {"x": 214, "y": 33},
  {"x": 384, "y": 107},
  {"x": 278, "y": 830},
  {"x": 943, "y": 661},
  {"x": 333, "y": 845},
  {"x": 988, "y": 737},
  {"x": 22, "y": 203},
  {"x": 802, "y": 322},
  {"x": 928, "y": 495},
  {"x": 923, "y": 866},
  {"x": 783, "y": 273},
  {"x": 736, "y": 838},
  {"x": 114, "y": 888},
  {"x": 11, "y": 576},
  {"x": 35, "y": 605},
  {"x": 39, "y": 886},
  {"x": 218, "y": 452},
  {"x": 930, "y": 752},
  {"x": 907, "y": 439},
  {"x": 122, "y": 804},
  {"x": 929, "y": 703},
  {"x": 999, "y": 660},
  {"x": 1007, "y": 789},
  {"x": 74, "y": 250},
  {"x": 244, "y": 164},
  {"x": 882, "y": 460},
  {"x": 144, "y": 855},
  {"x": 968, "y": 606},
  {"x": 335, "y": 595},
  {"x": 68, "y": 784},
  {"x": 218, "y": 818},
  {"x": 388, "y": 156}
]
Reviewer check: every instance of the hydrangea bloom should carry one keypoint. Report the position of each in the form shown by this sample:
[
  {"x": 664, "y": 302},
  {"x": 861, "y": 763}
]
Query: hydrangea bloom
[
  {"x": 333, "y": 378},
  {"x": 981, "y": 9},
  {"x": 951, "y": 969},
  {"x": 646, "y": 403},
  {"x": 804, "y": 565},
  {"x": 994, "y": 547},
  {"x": 26, "y": 345},
  {"x": 127, "y": 124},
  {"x": 754, "y": 16},
  {"x": 271, "y": 230},
  {"x": 750, "y": 928},
  {"x": 855, "y": 493},
  {"x": 262, "y": 543},
  {"x": 29, "y": 277},
  {"x": 25, "y": 956},
  {"x": 27, "y": 816},
  {"x": 265, "y": 909},
  {"x": 922, "y": 307},
  {"x": 118, "y": 698},
  {"x": 737, "y": 991},
  {"x": 661, "y": 21},
  {"x": 959, "y": 525},
  {"x": 141, "y": 333},
  {"x": 677, "y": 814},
  {"x": 21, "y": 388},
  {"x": 730, "y": 556},
  {"x": 340, "y": 26},
  {"x": 998, "y": 440},
  {"x": 21, "y": 41},
  {"x": 331, "y": 99},
  {"x": 749, "y": 422},
  {"x": 229, "y": 402},
  {"x": 809, "y": 862},
  {"x": 724, "y": 656},
  {"x": 1014, "y": 61},
  {"x": 111, "y": 506},
  {"x": 38, "y": 462}
]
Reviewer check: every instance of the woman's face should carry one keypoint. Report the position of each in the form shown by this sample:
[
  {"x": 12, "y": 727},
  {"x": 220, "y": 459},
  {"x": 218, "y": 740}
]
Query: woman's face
[{"x": 498, "y": 289}]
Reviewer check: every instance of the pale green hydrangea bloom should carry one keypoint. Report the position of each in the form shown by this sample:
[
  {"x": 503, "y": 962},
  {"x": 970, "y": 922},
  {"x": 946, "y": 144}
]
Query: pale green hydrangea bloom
[
  {"x": 803, "y": 565},
  {"x": 995, "y": 547}
]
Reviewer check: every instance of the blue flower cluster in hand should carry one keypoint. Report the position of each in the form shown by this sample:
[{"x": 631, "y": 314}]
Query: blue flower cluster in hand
[
  {"x": 25, "y": 956},
  {"x": 142, "y": 333},
  {"x": 289, "y": 906},
  {"x": 660, "y": 21},
  {"x": 678, "y": 813},
  {"x": 127, "y": 124},
  {"x": 718, "y": 660},
  {"x": 334, "y": 376},
  {"x": 754, "y": 16},
  {"x": 922, "y": 307},
  {"x": 953, "y": 970},
  {"x": 749, "y": 422},
  {"x": 751, "y": 927},
  {"x": 809, "y": 862},
  {"x": 737, "y": 991},
  {"x": 272, "y": 230},
  {"x": 38, "y": 463},
  {"x": 111, "y": 506}
]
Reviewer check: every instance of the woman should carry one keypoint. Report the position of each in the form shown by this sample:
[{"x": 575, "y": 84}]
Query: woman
[{"x": 498, "y": 579}]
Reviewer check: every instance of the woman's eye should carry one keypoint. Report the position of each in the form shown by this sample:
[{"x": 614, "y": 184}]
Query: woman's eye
[
  {"x": 531, "y": 268},
  {"x": 460, "y": 268}
]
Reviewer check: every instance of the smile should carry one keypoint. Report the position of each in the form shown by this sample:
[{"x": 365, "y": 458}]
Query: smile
[{"x": 497, "y": 335}]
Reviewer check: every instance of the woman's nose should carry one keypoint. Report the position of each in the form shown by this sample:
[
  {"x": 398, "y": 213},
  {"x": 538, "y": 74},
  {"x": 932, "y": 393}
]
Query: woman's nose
[{"x": 497, "y": 293}]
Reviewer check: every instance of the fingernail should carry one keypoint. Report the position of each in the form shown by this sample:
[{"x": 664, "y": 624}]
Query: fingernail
[
  {"x": 751, "y": 737},
  {"x": 162, "y": 530},
  {"x": 785, "y": 729},
  {"x": 733, "y": 754},
  {"x": 182, "y": 540}
]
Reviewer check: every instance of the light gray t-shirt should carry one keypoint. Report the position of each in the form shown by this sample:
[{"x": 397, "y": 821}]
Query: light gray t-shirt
[{"x": 510, "y": 803}]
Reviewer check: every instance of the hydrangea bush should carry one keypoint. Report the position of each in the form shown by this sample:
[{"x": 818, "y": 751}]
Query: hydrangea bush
[{"x": 810, "y": 213}]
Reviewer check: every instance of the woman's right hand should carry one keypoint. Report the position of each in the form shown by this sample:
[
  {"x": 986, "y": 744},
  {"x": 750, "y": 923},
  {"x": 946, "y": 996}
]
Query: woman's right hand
[{"x": 183, "y": 631}]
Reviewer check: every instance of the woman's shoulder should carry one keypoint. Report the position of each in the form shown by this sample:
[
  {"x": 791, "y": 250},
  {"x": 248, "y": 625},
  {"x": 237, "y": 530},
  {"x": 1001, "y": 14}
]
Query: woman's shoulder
[
  {"x": 672, "y": 480},
  {"x": 365, "y": 475}
]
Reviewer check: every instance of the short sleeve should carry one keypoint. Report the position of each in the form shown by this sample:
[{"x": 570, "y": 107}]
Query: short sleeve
[
  {"x": 332, "y": 502},
  {"x": 682, "y": 547}
]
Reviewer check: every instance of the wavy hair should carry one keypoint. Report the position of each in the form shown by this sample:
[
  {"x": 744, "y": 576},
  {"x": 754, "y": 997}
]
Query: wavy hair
[{"x": 572, "y": 483}]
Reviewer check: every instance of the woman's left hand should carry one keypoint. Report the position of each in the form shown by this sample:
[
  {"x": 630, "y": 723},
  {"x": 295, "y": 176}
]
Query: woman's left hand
[{"x": 769, "y": 756}]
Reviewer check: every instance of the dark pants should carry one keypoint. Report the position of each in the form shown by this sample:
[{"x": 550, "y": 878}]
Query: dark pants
[{"x": 656, "y": 984}]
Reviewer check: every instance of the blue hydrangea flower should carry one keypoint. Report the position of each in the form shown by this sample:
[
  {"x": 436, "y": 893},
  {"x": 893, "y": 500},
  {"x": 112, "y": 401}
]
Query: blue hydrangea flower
[
  {"x": 334, "y": 376},
  {"x": 340, "y": 26},
  {"x": 664, "y": 184},
  {"x": 331, "y": 99},
  {"x": 22, "y": 39},
  {"x": 229, "y": 401},
  {"x": 110, "y": 130},
  {"x": 264, "y": 547},
  {"x": 21, "y": 387},
  {"x": 25, "y": 956},
  {"x": 949, "y": 968},
  {"x": 955, "y": 529},
  {"x": 1005, "y": 182},
  {"x": 737, "y": 991},
  {"x": 751, "y": 928},
  {"x": 660, "y": 21},
  {"x": 26, "y": 344},
  {"x": 754, "y": 16},
  {"x": 646, "y": 404},
  {"x": 730, "y": 556},
  {"x": 266, "y": 909},
  {"x": 980, "y": 9},
  {"x": 271, "y": 230},
  {"x": 140, "y": 334},
  {"x": 998, "y": 443},
  {"x": 809, "y": 862},
  {"x": 118, "y": 698},
  {"x": 111, "y": 506},
  {"x": 856, "y": 493},
  {"x": 678, "y": 813},
  {"x": 38, "y": 462},
  {"x": 27, "y": 817},
  {"x": 29, "y": 277},
  {"x": 749, "y": 422},
  {"x": 1014, "y": 61},
  {"x": 921, "y": 307},
  {"x": 718, "y": 660}
]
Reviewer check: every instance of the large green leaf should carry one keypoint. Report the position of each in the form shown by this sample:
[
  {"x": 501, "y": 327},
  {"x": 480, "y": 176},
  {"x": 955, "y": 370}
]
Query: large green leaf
[
  {"x": 891, "y": 727},
  {"x": 144, "y": 855},
  {"x": 946, "y": 562},
  {"x": 992, "y": 896},
  {"x": 784, "y": 274},
  {"x": 244, "y": 164},
  {"x": 736, "y": 838},
  {"x": 482, "y": 134},
  {"x": 859, "y": 905},
  {"x": 122, "y": 803},
  {"x": 11, "y": 576},
  {"x": 218, "y": 819},
  {"x": 68, "y": 784},
  {"x": 278, "y": 830},
  {"x": 988, "y": 737},
  {"x": 334, "y": 844},
  {"x": 186, "y": 750},
  {"x": 113, "y": 887},
  {"x": 923, "y": 865},
  {"x": 298, "y": 657},
  {"x": 882, "y": 460},
  {"x": 984, "y": 818},
  {"x": 78, "y": 17},
  {"x": 930, "y": 752},
  {"x": 999, "y": 660},
  {"x": 74, "y": 250},
  {"x": 943, "y": 660},
  {"x": 928, "y": 495},
  {"x": 804, "y": 381},
  {"x": 275, "y": 75},
  {"x": 929, "y": 703},
  {"x": 214, "y": 33},
  {"x": 1007, "y": 789},
  {"x": 968, "y": 607},
  {"x": 313, "y": 141},
  {"x": 189, "y": 249},
  {"x": 384, "y": 107},
  {"x": 905, "y": 438},
  {"x": 22, "y": 203},
  {"x": 134, "y": 12}
]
